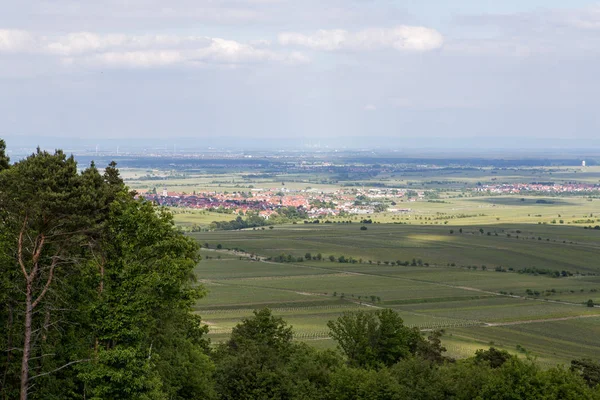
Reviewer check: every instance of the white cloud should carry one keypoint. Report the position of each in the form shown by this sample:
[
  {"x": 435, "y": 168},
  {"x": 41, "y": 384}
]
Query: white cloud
[
  {"x": 401, "y": 38},
  {"x": 84, "y": 42},
  {"x": 136, "y": 59},
  {"x": 152, "y": 50},
  {"x": 370, "y": 107},
  {"x": 143, "y": 51},
  {"x": 229, "y": 51},
  {"x": 14, "y": 41}
]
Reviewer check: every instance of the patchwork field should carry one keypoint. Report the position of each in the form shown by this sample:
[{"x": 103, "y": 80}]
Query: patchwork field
[
  {"x": 465, "y": 283},
  {"x": 516, "y": 246}
]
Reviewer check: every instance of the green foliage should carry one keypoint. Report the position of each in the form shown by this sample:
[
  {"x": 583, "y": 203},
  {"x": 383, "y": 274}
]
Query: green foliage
[
  {"x": 253, "y": 220},
  {"x": 292, "y": 213},
  {"x": 493, "y": 357},
  {"x": 52, "y": 217},
  {"x": 251, "y": 364},
  {"x": 432, "y": 350},
  {"x": 356, "y": 383},
  {"x": 588, "y": 369},
  {"x": 370, "y": 339},
  {"x": 97, "y": 289},
  {"x": 526, "y": 380},
  {"x": 144, "y": 308},
  {"x": 263, "y": 329},
  {"x": 4, "y": 159},
  {"x": 419, "y": 379}
]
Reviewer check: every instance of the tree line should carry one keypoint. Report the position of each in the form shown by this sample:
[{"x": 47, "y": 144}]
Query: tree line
[{"x": 379, "y": 358}]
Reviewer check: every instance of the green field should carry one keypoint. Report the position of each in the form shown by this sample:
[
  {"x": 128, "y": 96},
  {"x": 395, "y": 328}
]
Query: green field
[
  {"x": 545, "y": 315},
  {"x": 560, "y": 248},
  {"x": 480, "y": 265}
]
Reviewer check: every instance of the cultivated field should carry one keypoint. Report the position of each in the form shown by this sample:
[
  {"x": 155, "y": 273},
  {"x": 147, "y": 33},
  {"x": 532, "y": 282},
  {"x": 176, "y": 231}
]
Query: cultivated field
[
  {"x": 515, "y": 271},
  {"x": 542, "y": 314}
]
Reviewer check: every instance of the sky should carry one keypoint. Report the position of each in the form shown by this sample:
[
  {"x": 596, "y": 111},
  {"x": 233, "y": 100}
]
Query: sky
[{"x": 480, "y": 73}]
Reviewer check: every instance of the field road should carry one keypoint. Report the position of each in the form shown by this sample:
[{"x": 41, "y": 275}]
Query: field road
[
  {"x": 534, "y": 321},
  {"x": 484, "y": 324}
]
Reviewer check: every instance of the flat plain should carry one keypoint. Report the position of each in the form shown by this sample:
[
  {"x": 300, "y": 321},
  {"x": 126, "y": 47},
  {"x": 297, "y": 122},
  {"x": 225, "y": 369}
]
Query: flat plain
[
  {"x": 512, "y": 271},
  {"x": 471, "y": 286}
]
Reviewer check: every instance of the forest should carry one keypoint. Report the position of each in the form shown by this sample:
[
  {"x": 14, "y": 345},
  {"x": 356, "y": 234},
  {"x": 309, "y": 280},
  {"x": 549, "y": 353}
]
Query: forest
[{"x": 97, "y": 295}]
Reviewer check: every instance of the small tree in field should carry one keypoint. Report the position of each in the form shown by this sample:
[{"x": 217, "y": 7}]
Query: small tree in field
[{"x": 590, "y": 303}]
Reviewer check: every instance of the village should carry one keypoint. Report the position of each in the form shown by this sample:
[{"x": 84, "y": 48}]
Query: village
[
  {"x": 345, "y": 201},
  {"x": 538, "y": 187},
  {"x": 267, "y": 201}
]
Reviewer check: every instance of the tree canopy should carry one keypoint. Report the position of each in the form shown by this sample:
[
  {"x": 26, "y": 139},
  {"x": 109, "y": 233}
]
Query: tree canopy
[
  {"x": 97, "y": 288},
  {"x": 372, "y": 338}
]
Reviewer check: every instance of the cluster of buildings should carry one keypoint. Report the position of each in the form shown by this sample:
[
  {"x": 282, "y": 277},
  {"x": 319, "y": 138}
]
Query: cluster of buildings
[
  {"x": 540, "y": 187},
  {"x": 269, "y": 201}
]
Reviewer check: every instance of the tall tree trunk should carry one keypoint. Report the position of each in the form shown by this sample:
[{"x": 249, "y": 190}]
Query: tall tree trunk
[
  {"x": 27, "y": 341},
  {"x": 30, "y": 303}
]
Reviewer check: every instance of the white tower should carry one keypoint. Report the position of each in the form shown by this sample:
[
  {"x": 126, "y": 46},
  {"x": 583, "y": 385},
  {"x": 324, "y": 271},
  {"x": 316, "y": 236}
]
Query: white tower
[{"x": 583, "y": 164}]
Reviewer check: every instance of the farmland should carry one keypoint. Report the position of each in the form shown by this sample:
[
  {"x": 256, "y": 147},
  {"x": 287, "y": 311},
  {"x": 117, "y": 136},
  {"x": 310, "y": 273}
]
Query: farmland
[
  {"x": 475, "y": 306},
  {"x": 511, "y": 270}
]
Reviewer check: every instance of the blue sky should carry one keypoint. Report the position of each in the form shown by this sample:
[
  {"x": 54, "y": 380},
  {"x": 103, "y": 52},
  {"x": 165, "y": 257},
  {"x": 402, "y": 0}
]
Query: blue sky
[{"x": 423, "y": 70}]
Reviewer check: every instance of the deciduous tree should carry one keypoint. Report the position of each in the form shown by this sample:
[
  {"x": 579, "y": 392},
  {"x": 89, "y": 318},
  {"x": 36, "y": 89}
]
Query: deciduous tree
[{"x": 374, "y": 338}]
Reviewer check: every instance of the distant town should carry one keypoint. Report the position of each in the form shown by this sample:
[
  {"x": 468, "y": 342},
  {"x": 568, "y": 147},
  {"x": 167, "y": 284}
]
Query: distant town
[
  {"x": 267, "y": 201},
  {"x": 354, "y": 201},
  {"x": 539, "y": 187}
]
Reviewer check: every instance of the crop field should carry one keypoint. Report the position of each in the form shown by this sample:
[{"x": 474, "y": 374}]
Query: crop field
[
  {"x": 188, "y": 218},
  {"x": 513, "y": 271},
  {"x": 548, "y": 341},
  {"x": 475, "y": 305},
  {"x": 515, "y": 246},
  {"x": 500, "y": 310}
]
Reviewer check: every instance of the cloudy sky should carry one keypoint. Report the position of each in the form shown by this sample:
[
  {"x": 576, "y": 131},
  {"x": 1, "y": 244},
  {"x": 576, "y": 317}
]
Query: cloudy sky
[{"x": 423, "y": 70}]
